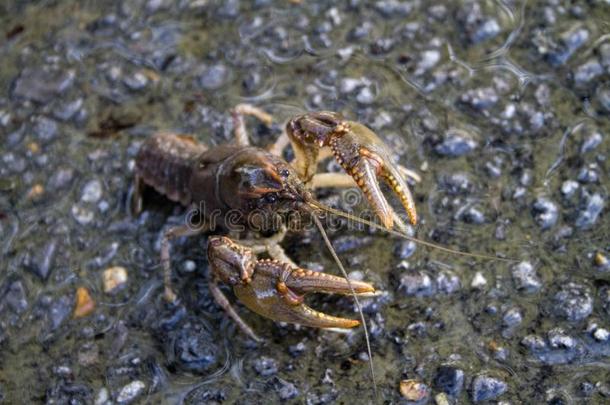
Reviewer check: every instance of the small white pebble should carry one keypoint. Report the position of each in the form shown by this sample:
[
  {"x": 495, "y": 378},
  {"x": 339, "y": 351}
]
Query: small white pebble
[
  {"x": 102, "y": 396},
  {"x": 601, "y": 334},
  {"x": 130, "y": 392},
  {"x": 478, "y": 281},
  {"x": 114, "y": 277}
]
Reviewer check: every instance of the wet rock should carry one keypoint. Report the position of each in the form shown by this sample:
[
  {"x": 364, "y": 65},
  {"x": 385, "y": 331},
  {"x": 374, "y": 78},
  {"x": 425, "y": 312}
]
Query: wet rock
[
  {"x": 42, "y": 264},
  {"x": 82, "y": 214},
  {"x": 512, "y": 317},
  {"x": 65, "y": 110},
  {"x": 569, "y": 42},
  {"x": 15, "y": 297},
  {"x": 587, "y": 72},
  {"x": 427, "y": 60},
  {"x": 92, "y": 191},
  {"x": 350, "y": 243},
  {"x": 449, "y": 380},
  {"x": 487, "y": 29},
  {"x": 447, "y": 282},
  {"x": 591, "y": 208},
  {"x": 456, "y": 143},
  {"x": 131, "y": 392},
  {"x": 286, "y": 390},
  {"x": 416, "y": 283},
  {"x": 485, "y": 388},
  {"x": 591, "y": 142},
  {"x": 473, "y": 215},
  {"x": 41, "y": 85},
  {"x": 193, "y": 347},
  {"x": 526, "y": 278},
  {"x": 136, "y": 82},
  {"x": 475, "y": 24},
  {"x": 404, "y": 249},
  {"x": 382, "y": 46},
  {"x": 114, "y": 278},
  {"x": 568, "y": 187},
  {"x": 573, "y": 302},
  {"x": 84, "y": 303},
  {"x": 414, "y": 390},
  {"x": 360, "y": 32},
  {"x": 457, "y": 183},
  {"x": 394, "y": 8},
  {"x": 545, "y": 212},
  {"x": 480, "y": 99},
  {"x": 265, "y": 366},
  {"x": 214, "y": 77},
  {"x": 45, "y": 129},
  {"x": 365, "y": 96},
  {"x": 478, "y": 281},
  {"x": 62, "y": 178},
  {"x": 59, "y": 310}
]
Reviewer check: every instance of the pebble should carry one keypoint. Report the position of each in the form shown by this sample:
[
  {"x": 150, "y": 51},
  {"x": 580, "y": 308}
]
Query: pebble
[
  {"x": 114, "y": 278},
  {"x": 591, "y": 208},
  {"x": 414, "y": 390},
  {"x": 59, "y": 310},
  {"x": 428, "y": 59},
  {"x": 102, "y": 396},
  {"x": 42, "y": 263},
  {"x": 365, "y": 96},
  {"x": 193, "y": 345},
  {"x": 512, "y": 317},
  {"x": 456, "y": 143},
  {"x": 131, "y": 392},
  {"x": 45, "y": 129},
  {"x": 82, "y": 214},
  {"x": 447, "y": 282},
  {"x": 84, "y": 303},
  {"x": 591, "y": 142},
  {"x": 42, "y": 85},
  {"x": 92, "y": 191},
  {"x": 485, "y": 388},
  {"x": 416, "y": 283},
  {"x": 265, "y": 366},
  {"x": 394, "y": 8},
  {"x": 15, "y": 297},
  {"x": 525, "y": 277},
  {"x": 601, "y": 261},
  {"x": 450, "y": 380},
  {"x": 568, "y": 187},
  {"x": 135, "y": 82},
  {"x": 573, "y": 302},
  {"x": 587, "y": 72},
  {"x": 478, "y": 281},
  {"x": 488, "y": 29},
  {"x": 480, "y": 99},
  {"x": 457, "y": 183},
  {"x": 545, "y": 212},
  {"x": 404, "y": 249},
  {"x": 570, "y": 41},
  {"x": 214, "y": 77},
  {"x": 287, "y": 390}
]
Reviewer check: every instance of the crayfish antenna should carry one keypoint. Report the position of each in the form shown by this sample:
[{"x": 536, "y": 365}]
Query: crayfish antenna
[
  {"x": 340, "y": 265},
  {"x": 403, "y": 235}
]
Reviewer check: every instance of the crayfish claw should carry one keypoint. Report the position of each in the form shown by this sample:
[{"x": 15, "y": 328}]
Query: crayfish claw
[
  {"x": 277, "y": 291},
  {"x": 361, "y": 154}
]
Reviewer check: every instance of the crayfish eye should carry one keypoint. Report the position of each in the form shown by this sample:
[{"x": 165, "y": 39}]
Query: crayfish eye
[{"x": 270, "y": 198}]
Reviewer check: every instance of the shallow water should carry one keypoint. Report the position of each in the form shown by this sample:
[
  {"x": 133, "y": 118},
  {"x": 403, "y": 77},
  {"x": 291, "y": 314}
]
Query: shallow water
[{"x": 501, "y": 107}]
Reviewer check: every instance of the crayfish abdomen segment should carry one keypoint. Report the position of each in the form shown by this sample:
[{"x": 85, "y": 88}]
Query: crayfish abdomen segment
[{"x": 166, "y": 163}]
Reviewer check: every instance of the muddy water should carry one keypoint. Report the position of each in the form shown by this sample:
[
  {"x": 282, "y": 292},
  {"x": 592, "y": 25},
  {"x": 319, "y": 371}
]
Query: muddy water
[{"x": 501, "y": 107}]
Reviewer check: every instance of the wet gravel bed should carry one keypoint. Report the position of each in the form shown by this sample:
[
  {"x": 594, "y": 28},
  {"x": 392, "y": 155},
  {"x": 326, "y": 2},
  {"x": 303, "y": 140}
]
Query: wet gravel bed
[{"x": 502, "y": 108}]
